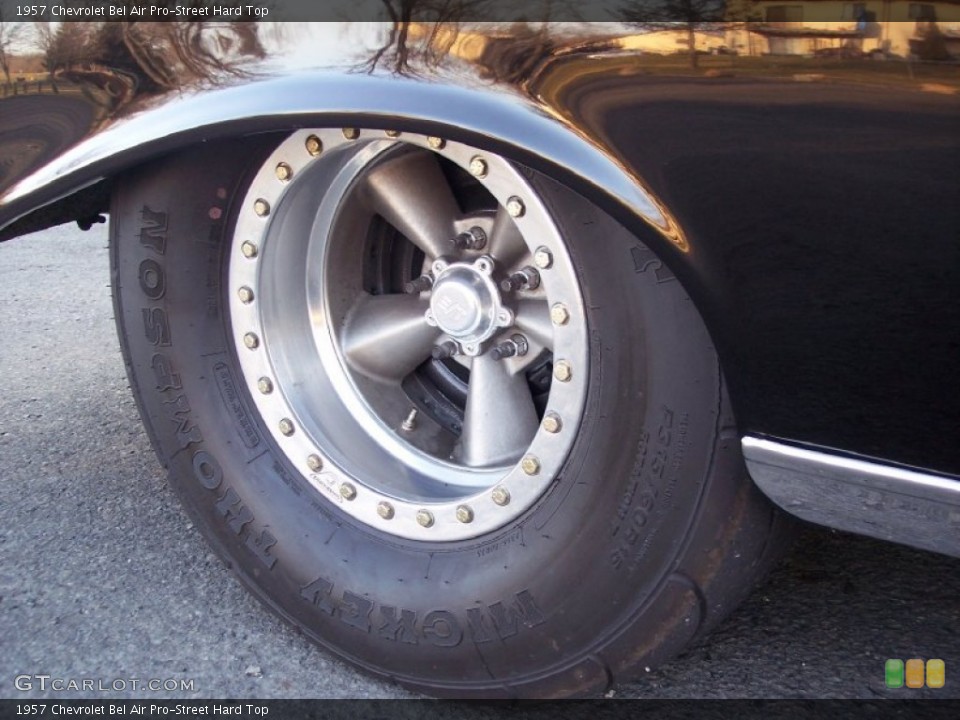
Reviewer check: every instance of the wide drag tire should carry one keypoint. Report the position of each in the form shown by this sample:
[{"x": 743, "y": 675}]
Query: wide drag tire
[{"x": 625, "y": 544}]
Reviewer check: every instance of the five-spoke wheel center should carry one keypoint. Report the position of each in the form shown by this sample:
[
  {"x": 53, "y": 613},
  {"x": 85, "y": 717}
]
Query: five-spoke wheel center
[
  {"x": 466, "y": 304},
  {"x": 410, "y": 329}
]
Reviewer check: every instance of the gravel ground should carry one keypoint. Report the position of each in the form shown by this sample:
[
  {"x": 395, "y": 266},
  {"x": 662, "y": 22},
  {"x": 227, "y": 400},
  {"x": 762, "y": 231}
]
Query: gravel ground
[{"x": 102, "y": 575}]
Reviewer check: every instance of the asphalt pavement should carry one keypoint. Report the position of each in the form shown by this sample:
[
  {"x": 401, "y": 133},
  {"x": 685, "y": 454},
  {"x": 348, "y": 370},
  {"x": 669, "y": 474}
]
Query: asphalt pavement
[{"x": 103, "y": 577}]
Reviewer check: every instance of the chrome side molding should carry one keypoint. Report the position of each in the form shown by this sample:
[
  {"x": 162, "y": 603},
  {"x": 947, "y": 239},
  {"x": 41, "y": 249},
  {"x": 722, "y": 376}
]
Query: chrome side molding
[{"x": 868, "y": 498}]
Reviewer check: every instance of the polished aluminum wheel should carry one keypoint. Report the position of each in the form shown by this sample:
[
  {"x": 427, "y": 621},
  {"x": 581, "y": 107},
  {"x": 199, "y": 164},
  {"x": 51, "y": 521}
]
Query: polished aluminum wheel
[{"x": 410, "y": 327}]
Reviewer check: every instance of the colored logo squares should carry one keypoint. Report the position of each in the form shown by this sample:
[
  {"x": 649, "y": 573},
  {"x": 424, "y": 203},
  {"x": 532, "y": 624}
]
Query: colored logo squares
[{"x": 913, "y": 673}]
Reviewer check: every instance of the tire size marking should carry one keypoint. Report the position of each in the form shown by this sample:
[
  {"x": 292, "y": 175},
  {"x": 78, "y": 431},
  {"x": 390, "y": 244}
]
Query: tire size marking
[
  {"x": 176, "y": 407},
  {"x": 231, "y": 398},
  {"x": 441, "y": 628},
  {"x": 654, "y": 475}
]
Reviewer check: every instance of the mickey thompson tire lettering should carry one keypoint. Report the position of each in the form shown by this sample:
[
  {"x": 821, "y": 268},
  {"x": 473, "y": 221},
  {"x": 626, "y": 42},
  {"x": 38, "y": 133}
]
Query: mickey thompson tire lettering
[{"x": 649, "y": 534}]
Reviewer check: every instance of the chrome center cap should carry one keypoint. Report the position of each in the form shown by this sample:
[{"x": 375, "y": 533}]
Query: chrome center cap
[{"x": 465, "y": 303}]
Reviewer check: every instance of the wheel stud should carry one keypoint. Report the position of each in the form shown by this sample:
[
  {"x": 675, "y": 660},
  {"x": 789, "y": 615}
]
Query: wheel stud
[
  {"x": 265, "y": 385},
  {"x": 419, "y": 285},
  {"x": 542, "y": 258},
  {"x": 530, "y": 464},
  {"x": 474, "y": 239},
  {"x": 314, "y": 146},
  {"x": 385, "y": 510},
  {"x": 500, "y": 495},
  {"x": 562, "y": 371},
  {"x": 425, "y": 518},
  {"x": 286, "y": 426},
  {"x": 245, "y": 294},
  {"x": 249, "y": 250},
  {"x": 251, "y": 341},
  {"x": 478, "y": 167},
  {"x": 559, "y": 314},
  {"x": 515, "y": 207},
  {"x": 261, "y": 207},
  {"x": 516, "y": 345},
  {"x": 552, "y": 423},
  {"x": 445, "y": 350},
  {"x": 348, "y": 491},
  {"x": 526, "y": 279},
  {"x": 464, "y": 513},
  {"x": 315, "y": 463},
  {"x": 410, "y": 423}
]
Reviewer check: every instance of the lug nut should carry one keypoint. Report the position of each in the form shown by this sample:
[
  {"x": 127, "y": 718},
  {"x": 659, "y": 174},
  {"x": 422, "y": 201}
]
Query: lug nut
[
  {"x": 315, "y": 463},
  {"x": 245, "y": 294},
  {"x": 562, "y": 371},
  {"x": 552, "y": 423},
  {"x": 530, "y": 465},
  {"x": 419, "y": 285},
  {"x": 500, "y": 495},
  {"x": 515, "y": 207},
  {"x": 249, "y": 250},
  {"x": 285, "y": 172},
  {"x": 347, "y": 491},
  {"x": 473, "y": 239},
  {"x": 445, "y": 350},
  {"x": 314, "y": 145},
  {"x": 286, "y": 426},
  {"x": 410, "y": 424},
  {"x": 526, "y": 279},
  {"x": 516, "y": 345},
  {"x": 436, "y": 143},
  {"x": 251, "y": 341},
  {"x": 478, "y": 167},
  {"x": 351, "y": 133},
  {"x": 265, "y": 385},
  {"x": 542, "y": 258},
  {"x": 385, "y": 510},
  {"x": 425, "y": 518},
  {"x": 464, "y": 514},
  {"x": 261, "y": 207},
  {"x": 559, "y": 314}
]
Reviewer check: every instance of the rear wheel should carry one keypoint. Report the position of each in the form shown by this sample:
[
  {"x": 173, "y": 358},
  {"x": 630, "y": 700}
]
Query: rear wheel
[{"x": 435, "y": 409}]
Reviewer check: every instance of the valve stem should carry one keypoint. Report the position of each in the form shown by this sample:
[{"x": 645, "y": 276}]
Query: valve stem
[
  {"x": 526, "y": 279},
  {"x": 410, "y": 424}
]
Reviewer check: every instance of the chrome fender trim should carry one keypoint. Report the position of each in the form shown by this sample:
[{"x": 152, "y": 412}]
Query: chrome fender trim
[{"x": 859, "y": 496}]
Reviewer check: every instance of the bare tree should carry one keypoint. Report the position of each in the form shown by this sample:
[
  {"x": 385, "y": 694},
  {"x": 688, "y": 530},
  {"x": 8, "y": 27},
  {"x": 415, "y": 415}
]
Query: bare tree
[
  {"x": 691, "y": 15},
  {"x": 10, "y": 33}
]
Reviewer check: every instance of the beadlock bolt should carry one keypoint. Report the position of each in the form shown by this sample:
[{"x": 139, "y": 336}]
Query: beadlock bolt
[
  {"x": 559, "y": 314},
  {"x": 478, "y": 167},
  {"x": 530, "y": 464},
  {"x": 315, "y": 463},
  {"x": 385, "y": 510},
  {"x": 464, "y": 513},
  {"x": 249, "y": 250},
  {"x": 351, "y": 133},
  {"x": 348, "y": 491},
  {"x": 392, "y": 133},
  {"x": 500, "y": 495},
  {"x": 286, "y": 426},
  {"x": 284, "y": 172},
  {"x": 552, "y": 423},
  {"x": 265, "y": 385},
  {"x": 251, "y": 341},
  {"x": 425, "y": 518},
  {"x": 314, "y": 145},
  {"x": 245, "y": 294},
  {"x": 515, "y": 207},
  {"x": 542, "y": 258},
  {"x": 562, "y": 371},
  {"x": 261, "y": 207},
  {"x": 437, "y": 143}
]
